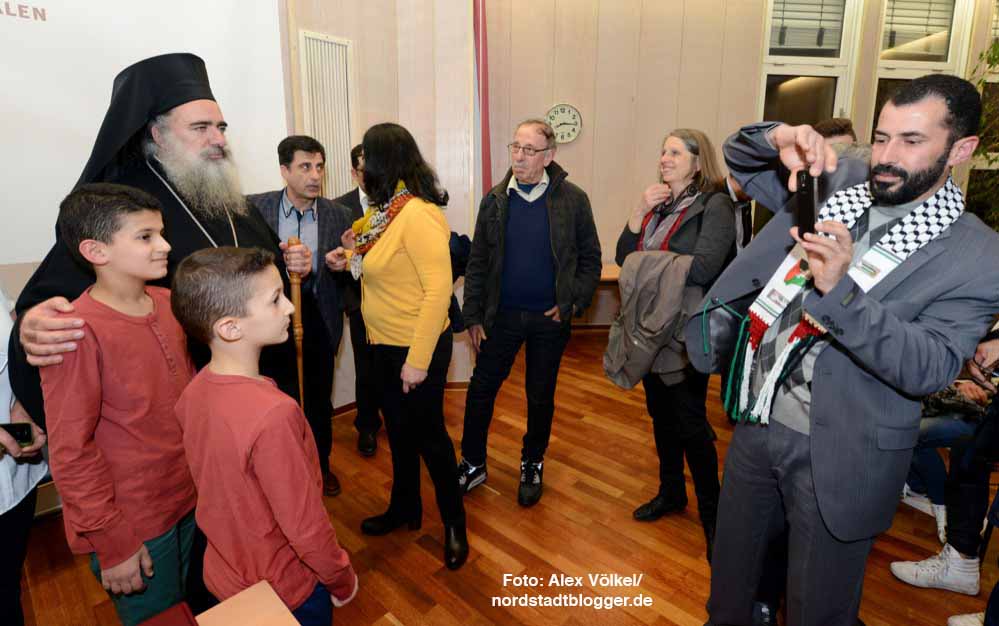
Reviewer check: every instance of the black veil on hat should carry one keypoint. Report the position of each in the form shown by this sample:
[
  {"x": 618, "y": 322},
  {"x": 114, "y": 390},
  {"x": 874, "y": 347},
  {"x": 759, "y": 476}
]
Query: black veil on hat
[{"x": 141, "y": 92}]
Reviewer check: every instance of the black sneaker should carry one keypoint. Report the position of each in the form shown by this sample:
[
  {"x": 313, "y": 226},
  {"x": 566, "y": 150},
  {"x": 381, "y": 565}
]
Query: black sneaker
[
  {"x": 530, "y": 483},
  {"x": 470, "y": 476}
]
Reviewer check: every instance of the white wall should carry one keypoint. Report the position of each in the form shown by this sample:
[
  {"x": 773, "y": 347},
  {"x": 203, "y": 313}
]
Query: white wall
[{"x": 57, "y": 74}]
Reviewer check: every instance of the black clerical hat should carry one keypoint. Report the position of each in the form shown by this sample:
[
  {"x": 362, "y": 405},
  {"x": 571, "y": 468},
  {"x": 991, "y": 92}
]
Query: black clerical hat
[{"x": 141, "y": 92}]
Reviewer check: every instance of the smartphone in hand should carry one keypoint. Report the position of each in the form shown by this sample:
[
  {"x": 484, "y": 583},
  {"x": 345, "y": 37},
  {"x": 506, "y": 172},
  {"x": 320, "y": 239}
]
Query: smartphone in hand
[
  {"x": 806, "y": 201},
  {"x": 21, "y": 433}
]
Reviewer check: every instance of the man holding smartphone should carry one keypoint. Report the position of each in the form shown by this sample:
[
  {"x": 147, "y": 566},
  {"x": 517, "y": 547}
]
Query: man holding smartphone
[{"x": 881, "y": 305}]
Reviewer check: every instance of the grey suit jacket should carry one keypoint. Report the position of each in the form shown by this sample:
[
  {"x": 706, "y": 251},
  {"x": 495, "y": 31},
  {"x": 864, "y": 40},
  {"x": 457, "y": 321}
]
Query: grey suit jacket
[
  {"x": 333, "y": 220},
  {"x": 908, "y": 337}
]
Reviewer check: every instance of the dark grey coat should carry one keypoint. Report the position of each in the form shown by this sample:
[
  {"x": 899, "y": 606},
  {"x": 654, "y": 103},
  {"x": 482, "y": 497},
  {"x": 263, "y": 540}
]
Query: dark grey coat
[
  {"x": 574, "y": 240},
  {"x": 333, "y": 220}
]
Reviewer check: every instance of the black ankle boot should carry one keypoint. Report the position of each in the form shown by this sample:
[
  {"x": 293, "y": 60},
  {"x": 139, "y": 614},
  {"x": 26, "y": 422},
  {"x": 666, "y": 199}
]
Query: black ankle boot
[
  {"x": 455, "y": 545},
  {"x": 387, "y": 522}
]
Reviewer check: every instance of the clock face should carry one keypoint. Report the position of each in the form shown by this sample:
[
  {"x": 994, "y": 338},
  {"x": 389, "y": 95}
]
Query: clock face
[{"x": 566, "y": 121}]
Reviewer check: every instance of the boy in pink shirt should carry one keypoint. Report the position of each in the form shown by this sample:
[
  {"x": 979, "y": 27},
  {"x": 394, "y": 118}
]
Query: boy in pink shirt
[
  {"x": 249, "y": 447},
  {"x": 116, "y": 449}
]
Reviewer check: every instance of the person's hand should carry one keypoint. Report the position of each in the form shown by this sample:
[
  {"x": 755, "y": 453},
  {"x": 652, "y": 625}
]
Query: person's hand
[
  {"x": 477, "y": 334},
  {"x": 411, "y": 377},
  {"x": 336, "y": 260},
  {"x": 297, "y": 258},
  {"x": 348, "y": 238},
  {"x": 7, "y": 443},
  {"x": 554, "y": 313},
  {"x": 800, "y": 147},
  {"x": 985, "y": 359},
  {"x": 45, "y": 336},
  {"x": 653, "y": 196},
  {"x": 126, "y": 576},
  {"x": 829, "y": 258},
  {"x": 340, "y": 603},
  {"x": 971, "y": 391}
]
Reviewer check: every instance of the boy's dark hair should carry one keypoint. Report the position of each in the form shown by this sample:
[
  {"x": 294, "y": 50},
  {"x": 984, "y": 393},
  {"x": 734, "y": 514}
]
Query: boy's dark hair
[
  {"x": 290, "y": 145},
  {"x": 355, "y": 155},
  {"x": 93, "y": 211},
  {"x": 836, "y": 126},
  {"x": 964, "y": 104},
  {"x": 214, "y": 283}
]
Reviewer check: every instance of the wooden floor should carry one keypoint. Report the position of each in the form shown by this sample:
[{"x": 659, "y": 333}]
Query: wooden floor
[{"x": 600, "y": 465}]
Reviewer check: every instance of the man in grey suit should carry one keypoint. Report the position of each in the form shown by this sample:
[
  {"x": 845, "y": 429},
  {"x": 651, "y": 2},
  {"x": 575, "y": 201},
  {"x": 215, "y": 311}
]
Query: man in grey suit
[
  {"x": 845, "y": 333},
  {"x": 299, "y": 210},
  {"x": 367, "y": 422}
]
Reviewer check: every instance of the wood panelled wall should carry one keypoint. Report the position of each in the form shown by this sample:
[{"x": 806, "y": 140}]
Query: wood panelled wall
[
  {"x": 635, "y": 69},
  {"x": 415, "y": 67}
]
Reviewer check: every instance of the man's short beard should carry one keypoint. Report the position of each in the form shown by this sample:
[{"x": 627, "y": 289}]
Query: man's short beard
[
  {"x": 914, "y": 184},
  {"x": 209, "y": 187}
]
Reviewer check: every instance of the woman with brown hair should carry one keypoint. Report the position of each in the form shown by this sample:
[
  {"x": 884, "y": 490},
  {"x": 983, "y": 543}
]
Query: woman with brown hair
[{"x": 687, "y": 213}]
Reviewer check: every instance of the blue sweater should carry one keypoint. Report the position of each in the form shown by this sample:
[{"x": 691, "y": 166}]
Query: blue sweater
[{"x": 528, "y": 263}]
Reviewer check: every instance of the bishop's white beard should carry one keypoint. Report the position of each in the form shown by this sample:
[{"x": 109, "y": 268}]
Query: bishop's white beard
[{"x": 210, "y": 187}]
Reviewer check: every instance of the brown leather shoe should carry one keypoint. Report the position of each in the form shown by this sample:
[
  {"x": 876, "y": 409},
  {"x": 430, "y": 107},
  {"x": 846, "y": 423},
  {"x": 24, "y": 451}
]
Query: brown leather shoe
[{"x": 331, "y": 485}]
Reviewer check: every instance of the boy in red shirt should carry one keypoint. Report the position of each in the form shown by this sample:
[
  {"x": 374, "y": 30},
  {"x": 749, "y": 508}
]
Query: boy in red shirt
[
  {"x": 250, "y": 449},
  {"x": 116, "y": 449}
]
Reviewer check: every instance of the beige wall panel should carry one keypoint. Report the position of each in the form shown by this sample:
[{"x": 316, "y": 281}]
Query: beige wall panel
[
  {"x": 700, "y": 65},
  {"x": 657, "y": 96},
  {"x": 454, "y": 58},
  {"x": 14, "y": 276},
  {"x": 614, "y": 123},
  {"x": 371, "y": 25},
  {"x": 866, "y": 83},
  {"x": 417, "y": 76},
  {"x": 532, "y": 50},
  {"x": 499, "y": 30},
  {"x": 742, "y": 66},
  {"x": 574, "y": 80}
]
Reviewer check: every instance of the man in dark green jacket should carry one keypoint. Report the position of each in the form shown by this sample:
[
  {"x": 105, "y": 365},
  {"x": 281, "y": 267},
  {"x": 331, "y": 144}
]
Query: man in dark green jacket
[{"x": 535, "y": 262}]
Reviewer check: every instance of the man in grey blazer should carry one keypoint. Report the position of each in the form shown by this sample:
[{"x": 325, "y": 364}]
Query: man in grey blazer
[
  {"x": 299, "y": 210},
  {"x": 826, "y": 429}
]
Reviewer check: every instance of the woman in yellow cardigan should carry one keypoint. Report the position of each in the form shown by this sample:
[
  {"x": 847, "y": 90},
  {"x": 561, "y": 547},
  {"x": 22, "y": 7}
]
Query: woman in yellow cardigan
[{"x": 400, "y": 251}]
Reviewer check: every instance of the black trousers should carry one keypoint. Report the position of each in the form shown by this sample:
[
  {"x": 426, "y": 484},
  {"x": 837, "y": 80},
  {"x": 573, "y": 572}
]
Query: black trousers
[
  {"x": 414, "y": 422},
  {"x": 967, "y": 496},
  {"x": 680, "y": 425},
  {"x": 318, "y": 354},
  {"x": 14, "y": 527},
  {"x": 768, "y": 488},
  {"x": 545, "y": 341},
  {"x": 365, "y": 389}
]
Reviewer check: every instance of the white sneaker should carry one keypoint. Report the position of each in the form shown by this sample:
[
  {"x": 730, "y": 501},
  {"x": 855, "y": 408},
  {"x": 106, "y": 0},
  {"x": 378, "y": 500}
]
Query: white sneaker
[
  {"x": 968, "y": 619},
  {"x": 940, "y": 512},
  {"x": 947, "y": 570},
  {"x": 916, "y": 500}
]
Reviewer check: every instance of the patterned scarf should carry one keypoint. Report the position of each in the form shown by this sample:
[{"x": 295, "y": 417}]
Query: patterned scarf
[
  {"x": 370, "y": 228},
  {"x": 786, "y": 286}
]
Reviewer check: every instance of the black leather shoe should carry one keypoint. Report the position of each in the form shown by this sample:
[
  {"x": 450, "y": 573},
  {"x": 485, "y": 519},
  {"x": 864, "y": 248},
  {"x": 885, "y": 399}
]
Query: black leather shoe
[
  {"x": 657, "y": 507},
  {"x": 331, "y": 485},
  {"x": 455, "y": 546},
  {"x": 386, "y": 522},
  {"x": 367, "y": 443}
]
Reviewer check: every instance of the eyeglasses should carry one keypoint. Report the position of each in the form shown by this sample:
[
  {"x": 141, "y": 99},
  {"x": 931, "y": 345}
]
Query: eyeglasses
[{"x": 527, "y": 150}]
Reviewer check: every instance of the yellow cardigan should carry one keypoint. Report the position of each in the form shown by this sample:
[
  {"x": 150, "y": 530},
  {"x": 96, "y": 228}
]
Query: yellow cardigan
[{"x": 406, "y": 285}]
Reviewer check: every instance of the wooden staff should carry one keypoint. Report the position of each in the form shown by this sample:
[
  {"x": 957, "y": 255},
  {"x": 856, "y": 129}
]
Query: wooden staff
[{"x": 296, "y": 323}]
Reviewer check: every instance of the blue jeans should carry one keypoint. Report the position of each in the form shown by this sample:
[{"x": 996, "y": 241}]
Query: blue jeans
[
  {"x": 317, "y": 610},
  {"x": 928, "y": 474}
]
